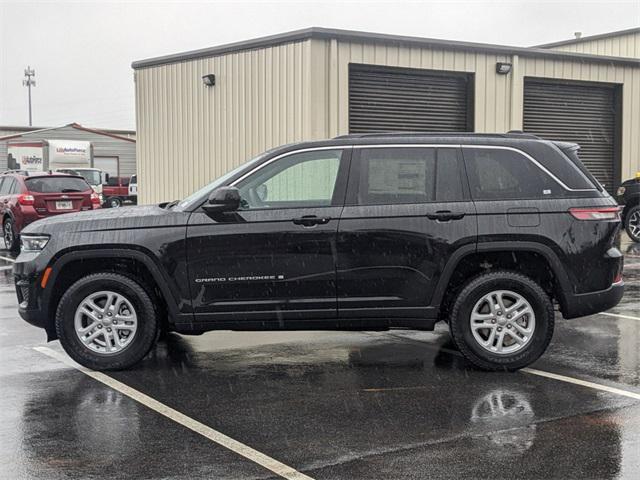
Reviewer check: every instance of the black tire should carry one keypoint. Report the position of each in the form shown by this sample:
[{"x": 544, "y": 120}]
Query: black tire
[
  {"x": 147, "y": 329},
  {"x": 11, "y": 238},
  {"x": 114, "y": 202},
  {"x": 473, "y": 291},
  {"x": 632, "y": 223}
]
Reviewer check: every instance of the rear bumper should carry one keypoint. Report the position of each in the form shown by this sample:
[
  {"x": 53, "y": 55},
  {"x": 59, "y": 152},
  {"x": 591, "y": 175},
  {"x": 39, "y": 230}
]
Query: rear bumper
[{"x": 585, "y": 304}]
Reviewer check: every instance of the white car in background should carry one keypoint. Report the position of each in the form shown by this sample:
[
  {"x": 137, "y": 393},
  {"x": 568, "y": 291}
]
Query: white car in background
[{"x": 133, "y": 188}]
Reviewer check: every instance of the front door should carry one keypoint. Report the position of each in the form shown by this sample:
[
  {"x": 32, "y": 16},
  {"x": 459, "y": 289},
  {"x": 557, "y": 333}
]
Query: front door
[
  {"x": 274, "y": 259},
  {"x": 407, "y": 210}
]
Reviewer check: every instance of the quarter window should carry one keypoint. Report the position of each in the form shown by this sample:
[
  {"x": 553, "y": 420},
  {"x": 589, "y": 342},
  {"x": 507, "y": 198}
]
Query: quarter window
[
  {"x": 299, "y": 180},
  {"x": 497, "y": 174},
  {"x": 407, "y": 175}
]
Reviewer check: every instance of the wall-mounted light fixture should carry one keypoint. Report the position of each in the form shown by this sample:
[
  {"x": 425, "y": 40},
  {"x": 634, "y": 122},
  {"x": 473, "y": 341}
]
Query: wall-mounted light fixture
[
  {"x": 503, "y": 68},
  {"x": 209, "y": 80}
]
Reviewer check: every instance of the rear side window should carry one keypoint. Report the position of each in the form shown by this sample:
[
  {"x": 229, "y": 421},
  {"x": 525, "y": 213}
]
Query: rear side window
[
  {"x": 499, "y": 174},
  {"x": 6, "y": 186},
  {"x": 398, "y": 175},
  {"x": 56, "y": 185}
]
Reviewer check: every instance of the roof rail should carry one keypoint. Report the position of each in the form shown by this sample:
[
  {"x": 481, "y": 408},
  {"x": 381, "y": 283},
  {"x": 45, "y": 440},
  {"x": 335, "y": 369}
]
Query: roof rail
[
  {"x": 16, "y": 172},
  {"x": 509, "y": 134}
]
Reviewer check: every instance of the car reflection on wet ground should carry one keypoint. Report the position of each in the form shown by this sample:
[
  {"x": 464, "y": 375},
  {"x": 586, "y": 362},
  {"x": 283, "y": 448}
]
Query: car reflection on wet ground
[{"x": 332, "y": 405}]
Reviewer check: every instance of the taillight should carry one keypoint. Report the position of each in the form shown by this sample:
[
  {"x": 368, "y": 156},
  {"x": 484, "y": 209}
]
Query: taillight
[
  {"x": 26, "y": 199},
  {"x": 596, "y": 213}
]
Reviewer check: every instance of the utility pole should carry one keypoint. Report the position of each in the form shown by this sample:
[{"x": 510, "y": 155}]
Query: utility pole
[{"x": 29, "y": 82}]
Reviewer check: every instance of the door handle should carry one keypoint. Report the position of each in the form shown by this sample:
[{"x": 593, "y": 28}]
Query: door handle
[
  {"x": 445, "y": 215},
  {"x": 311, "y": 220}
]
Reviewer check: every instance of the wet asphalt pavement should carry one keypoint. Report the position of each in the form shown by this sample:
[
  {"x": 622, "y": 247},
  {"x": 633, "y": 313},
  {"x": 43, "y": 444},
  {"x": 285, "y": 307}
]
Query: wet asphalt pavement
[{"x": 333, "y": 405}]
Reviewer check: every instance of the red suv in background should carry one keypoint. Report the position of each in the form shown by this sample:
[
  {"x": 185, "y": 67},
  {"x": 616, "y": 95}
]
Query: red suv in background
[{"x": 28, "y": 196}]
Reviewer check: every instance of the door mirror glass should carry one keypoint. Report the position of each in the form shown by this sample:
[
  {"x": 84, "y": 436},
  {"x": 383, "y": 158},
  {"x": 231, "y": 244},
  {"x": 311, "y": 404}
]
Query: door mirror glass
[{"x": 223, "y": 199}]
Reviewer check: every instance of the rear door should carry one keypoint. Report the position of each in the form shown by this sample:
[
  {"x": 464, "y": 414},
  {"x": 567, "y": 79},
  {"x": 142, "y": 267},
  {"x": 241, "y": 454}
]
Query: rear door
[{"x": 408, "y": 209}]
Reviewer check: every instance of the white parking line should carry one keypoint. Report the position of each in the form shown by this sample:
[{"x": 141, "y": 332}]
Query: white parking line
[
  {"x": 628, "y": 317},
  {"x": 8, "y": 259},
  {"x": 541, "y": 373},
  {"x": 584, "y": 383},
  {"x": 220, "y": 438}
]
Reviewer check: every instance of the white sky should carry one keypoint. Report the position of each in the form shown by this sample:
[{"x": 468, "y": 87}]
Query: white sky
[{"x": 82, "y": 51}]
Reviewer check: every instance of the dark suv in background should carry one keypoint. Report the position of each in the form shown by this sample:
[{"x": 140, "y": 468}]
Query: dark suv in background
[
  {"x": 485, "y": 232},
  {"x": 29, "y": 196},
  {"x": 629, "y": 196}
]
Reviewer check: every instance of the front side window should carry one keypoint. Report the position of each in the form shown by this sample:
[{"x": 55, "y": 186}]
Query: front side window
[
  {"x": 408, "y": 175},
  {"x": 305, "y": 179},
  {"x": 500, "y": 174}
]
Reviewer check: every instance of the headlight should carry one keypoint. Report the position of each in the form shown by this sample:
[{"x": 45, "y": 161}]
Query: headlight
[
  {"x": 33, "y": 243},
  {"x": 621, "y": 191}
]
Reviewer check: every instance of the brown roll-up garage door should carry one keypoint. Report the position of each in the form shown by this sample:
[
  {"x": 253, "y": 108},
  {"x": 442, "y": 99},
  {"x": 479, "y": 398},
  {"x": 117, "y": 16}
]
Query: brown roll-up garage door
[
  {"x": 580, "y": 113},
  {"x": 385, "y": 99}
]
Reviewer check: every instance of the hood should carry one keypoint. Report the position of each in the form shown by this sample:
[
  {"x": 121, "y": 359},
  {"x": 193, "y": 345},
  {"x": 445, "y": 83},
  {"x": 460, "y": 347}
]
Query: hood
[{"x": 135, "y": 217}]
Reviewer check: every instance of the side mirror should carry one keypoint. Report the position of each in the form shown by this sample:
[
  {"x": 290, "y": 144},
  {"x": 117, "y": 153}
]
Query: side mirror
[
  {"x": 223, "y": 199},
  {"x": 106, "y": 177}
]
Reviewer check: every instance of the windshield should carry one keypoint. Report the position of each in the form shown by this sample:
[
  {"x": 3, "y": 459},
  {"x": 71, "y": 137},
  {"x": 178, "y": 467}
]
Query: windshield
[
  {"x": 91, "y": 176},
  {"x": 197, "y": 196}
]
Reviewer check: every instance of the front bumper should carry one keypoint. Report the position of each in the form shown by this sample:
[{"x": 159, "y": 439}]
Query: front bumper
[
  {"x": 581, "y": 305},
  {"x": 32, "y": 307}
]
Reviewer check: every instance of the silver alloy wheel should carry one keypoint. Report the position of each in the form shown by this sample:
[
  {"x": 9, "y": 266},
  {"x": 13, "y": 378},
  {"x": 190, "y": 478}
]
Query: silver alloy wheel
[
  {"x": 634, "y": 223},
  {"x": 8, "y": 234},
  {"x": 106, "y": 322},
  {"x": 502, "y": 322}
]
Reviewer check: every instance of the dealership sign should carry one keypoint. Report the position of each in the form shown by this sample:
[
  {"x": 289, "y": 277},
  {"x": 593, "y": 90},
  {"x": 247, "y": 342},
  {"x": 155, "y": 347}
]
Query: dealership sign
[{"x": 69, "y": 152}]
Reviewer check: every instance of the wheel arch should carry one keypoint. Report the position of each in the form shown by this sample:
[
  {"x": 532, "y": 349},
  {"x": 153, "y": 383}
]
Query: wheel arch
[
  {"x": 467, "y": 252},
  {"x": 66, "y": 260}
]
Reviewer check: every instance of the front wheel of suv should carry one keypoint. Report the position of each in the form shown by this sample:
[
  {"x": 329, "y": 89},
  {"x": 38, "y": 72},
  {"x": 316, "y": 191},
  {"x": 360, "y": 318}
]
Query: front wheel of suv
[
  {"x": 632, "y": 223},
  {"x": 502, "y": 321},
  {"x": 106, "y": 321}
]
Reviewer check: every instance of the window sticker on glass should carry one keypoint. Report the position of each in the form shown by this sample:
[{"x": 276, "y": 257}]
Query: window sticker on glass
[{"x": 406, "y": 176}]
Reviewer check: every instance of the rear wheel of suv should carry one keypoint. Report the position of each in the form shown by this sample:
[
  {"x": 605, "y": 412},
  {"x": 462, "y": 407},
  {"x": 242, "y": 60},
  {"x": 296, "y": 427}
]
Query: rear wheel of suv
[
  {"x": 106, "y": 321},
  {"x": 502, "y": 321},
  {"x": 11, "y": 239},
  {"x": 632, "y": 223}
]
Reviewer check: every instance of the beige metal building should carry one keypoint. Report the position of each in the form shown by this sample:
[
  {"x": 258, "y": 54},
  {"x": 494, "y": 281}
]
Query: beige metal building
[
  {"x": 319, "y": 83},
  {"x": 625, "y": 43}
]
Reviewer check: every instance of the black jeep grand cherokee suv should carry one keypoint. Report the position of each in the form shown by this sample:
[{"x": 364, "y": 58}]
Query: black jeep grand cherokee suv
[{"x": 485, "y": 232}]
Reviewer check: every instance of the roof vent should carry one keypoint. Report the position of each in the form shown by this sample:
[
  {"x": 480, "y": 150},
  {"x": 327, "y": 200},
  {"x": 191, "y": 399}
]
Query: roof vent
[{"x": 578, "y": 35}]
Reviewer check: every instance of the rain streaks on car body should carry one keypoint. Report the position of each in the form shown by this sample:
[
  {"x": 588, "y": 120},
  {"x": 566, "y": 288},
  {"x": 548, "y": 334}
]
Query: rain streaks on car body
[{"x": 484, "y": 231}]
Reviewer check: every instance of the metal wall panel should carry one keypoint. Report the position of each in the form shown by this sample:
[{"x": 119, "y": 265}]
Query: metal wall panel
[
  {"x": 411, "y": 100},
  {"x": 189, "y": 134},
  {"x": 492, "y": 98},
  {"x": 627, "y": 77},
  {"x": 581, "y": 113},
  {"x": 627, "y": 45}
]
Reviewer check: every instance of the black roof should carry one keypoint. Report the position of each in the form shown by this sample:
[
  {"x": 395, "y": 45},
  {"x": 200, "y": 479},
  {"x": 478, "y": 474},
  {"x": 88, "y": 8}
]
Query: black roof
[{"x": 369, "y": 37}]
